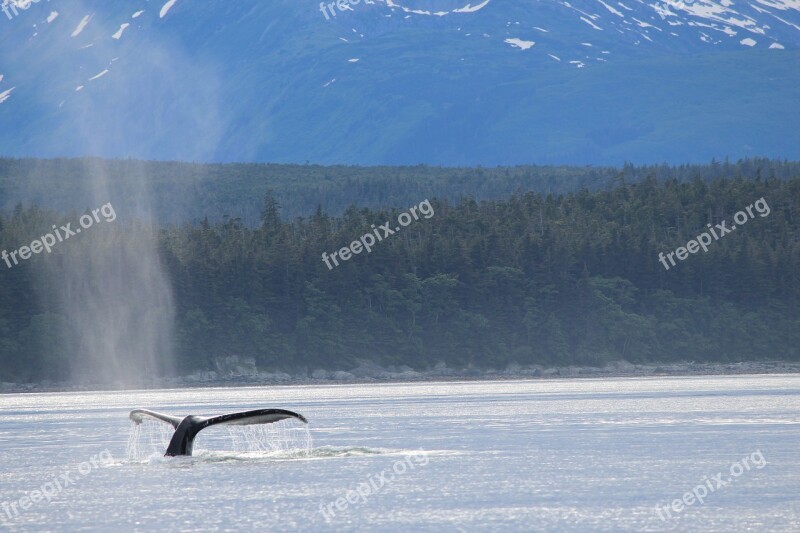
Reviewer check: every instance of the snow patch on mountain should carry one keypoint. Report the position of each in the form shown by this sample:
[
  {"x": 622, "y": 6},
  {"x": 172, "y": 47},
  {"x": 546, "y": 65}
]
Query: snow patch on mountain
[
  {"x": 5, "y": 95},
  {"x": 81, "y": 25},
  {"x": 519, "y": 43},
  {"x": 99, "y": 75},
  {"x": 782, "y": 5},
  {"x": 611, "y": 9},
  {"x": 472, "y": 9},
  {"x": 121, "y": 29},
  {"x": 592, "y": 24},
  {"x": 165, "y": 8},
  {"x": 468, "y": 8}
]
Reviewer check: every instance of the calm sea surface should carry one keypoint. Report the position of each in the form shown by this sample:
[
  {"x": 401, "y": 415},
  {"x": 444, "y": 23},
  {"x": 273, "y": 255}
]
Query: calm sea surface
[{"x": 553, "y": 455}]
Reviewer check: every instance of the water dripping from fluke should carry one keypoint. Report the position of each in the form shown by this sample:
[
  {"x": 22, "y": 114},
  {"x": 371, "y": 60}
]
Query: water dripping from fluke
[{"x": 246, "y": 430}]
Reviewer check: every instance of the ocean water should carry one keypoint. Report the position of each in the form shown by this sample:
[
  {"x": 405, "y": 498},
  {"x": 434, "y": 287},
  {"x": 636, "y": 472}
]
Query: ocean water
[{"x": 538, "y": 455}]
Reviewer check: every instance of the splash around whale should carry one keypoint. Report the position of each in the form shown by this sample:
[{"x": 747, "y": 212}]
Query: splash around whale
[{"x": 187, "y": 428}]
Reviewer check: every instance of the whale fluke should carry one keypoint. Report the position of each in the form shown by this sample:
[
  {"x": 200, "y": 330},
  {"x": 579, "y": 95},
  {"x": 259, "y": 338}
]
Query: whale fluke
[
  {"x": 187, "y": 428},
  {"x": 137, "y": 415}
]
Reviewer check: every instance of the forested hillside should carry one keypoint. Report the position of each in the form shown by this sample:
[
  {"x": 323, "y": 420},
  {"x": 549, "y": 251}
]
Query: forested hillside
[
  {"x": 188, "y": 192},
  {"x": 532, "y": 278}
]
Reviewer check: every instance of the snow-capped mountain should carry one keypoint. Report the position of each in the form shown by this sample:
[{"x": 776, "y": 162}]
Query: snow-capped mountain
[{"x": 401, "y": 81}]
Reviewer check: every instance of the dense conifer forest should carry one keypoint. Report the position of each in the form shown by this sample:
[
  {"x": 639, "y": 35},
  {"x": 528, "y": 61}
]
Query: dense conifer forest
[
  {"x": 189, "y": 192},
  {"x": 554, "y": 278}
]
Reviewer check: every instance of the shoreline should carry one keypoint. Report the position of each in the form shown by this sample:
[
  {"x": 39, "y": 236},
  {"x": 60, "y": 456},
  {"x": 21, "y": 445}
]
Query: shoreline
[{"x": 369, "y": 373}]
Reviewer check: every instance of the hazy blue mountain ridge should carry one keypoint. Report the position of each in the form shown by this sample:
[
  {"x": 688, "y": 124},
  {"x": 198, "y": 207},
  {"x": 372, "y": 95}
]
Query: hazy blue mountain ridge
[{"x": 513, "y": 82}]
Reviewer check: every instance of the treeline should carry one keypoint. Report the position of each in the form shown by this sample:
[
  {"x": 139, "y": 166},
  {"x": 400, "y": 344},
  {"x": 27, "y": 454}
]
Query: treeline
[
  {"x": 533, "y": 278},
  {"x": 188, "y": 192}
]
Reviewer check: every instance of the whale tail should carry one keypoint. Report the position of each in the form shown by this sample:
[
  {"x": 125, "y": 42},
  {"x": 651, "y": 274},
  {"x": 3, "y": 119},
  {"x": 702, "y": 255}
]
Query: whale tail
[{"x": 187, "y": 428}]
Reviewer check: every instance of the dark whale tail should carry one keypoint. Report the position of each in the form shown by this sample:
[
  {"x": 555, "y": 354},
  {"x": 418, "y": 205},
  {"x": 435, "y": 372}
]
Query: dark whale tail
[{"x": 187, "y": 428}]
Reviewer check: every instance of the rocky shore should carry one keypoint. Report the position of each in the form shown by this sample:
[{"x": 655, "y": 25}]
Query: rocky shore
[{"x": 233, "y": 371}]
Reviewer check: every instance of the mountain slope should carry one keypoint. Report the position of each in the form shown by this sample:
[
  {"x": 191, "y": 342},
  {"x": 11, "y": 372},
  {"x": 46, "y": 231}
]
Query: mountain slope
[{"x": 440, "y": 82}]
